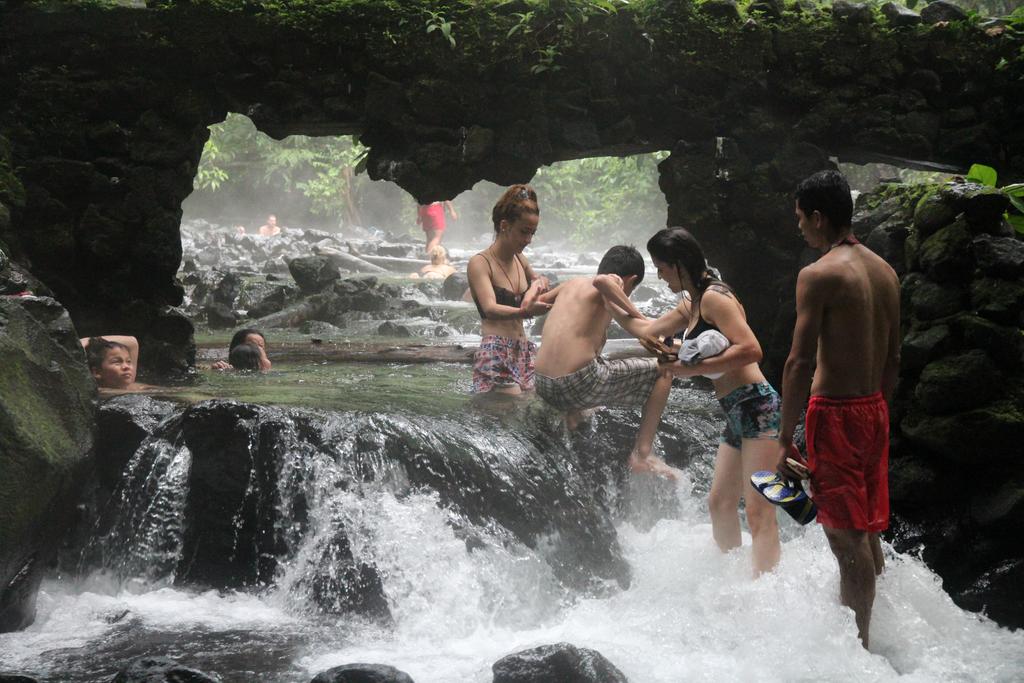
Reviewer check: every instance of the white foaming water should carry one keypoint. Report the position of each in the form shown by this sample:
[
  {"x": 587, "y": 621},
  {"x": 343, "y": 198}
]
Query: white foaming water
[{"x": 691, "y": 613}]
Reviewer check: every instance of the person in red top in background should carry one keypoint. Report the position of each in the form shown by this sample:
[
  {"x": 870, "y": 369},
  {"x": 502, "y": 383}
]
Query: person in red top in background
[{"x": 431, "y": 218}]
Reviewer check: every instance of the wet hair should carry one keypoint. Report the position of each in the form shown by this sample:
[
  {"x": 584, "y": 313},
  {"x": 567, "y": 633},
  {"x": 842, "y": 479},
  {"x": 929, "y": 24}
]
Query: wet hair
[
  {"x": 239, "y": 337},
  {"x": 245, "y": 357},
  {"x": 677, "y": 247},
  {"x": 622, "y": 261},
  {"x": 517, "y": 200},
  {"x": 828, "y": 193},
  {"x": 96, "y": 351},
  {"x": 438, "y": 255}
]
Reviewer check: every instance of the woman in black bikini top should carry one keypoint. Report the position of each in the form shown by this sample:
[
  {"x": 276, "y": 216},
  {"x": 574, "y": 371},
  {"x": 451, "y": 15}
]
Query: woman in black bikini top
[{"x": 505, "y": 290}]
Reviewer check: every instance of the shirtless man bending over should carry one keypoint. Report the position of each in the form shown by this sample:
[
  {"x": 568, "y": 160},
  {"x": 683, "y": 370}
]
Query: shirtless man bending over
[
  {"x": 571, "y": 374},
  {"x": 848, "y": 321}
]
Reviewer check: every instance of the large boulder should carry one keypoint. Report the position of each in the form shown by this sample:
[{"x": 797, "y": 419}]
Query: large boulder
[
  {"x": 559, "y": 662},
  {"x": 160, "y": 670},
  {"x": 46, "y": 435},
  {"x": 362, "y": 673},
  {"x": 313, "y": 273}
]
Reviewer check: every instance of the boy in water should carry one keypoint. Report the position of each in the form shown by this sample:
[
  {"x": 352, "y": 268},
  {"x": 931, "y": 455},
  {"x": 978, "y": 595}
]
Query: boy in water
[
  {"x": 848, "y": 325},
  {"x": 113, "y": 360},
  {"x": 571, "y": 374}
]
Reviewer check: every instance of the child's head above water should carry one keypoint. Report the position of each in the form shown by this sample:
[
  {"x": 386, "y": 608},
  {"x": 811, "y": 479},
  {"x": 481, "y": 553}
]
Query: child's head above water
[
  {"x": 110, "y": 363},
  {"x": 438, "y": 256},
  {"x": 623, "y": 261},
  {"x": 245, "y": 357},
  {"x": 248, "y": 336}
]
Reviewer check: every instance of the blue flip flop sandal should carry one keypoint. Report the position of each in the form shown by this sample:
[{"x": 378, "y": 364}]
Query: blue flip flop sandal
[{"x": 790, "y": 496}]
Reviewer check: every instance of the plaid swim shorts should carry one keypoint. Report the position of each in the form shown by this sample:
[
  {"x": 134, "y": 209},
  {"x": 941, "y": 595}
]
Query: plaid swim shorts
[
  {"x": 623, "y": 382},
  {"x": 503, "y": 362}
]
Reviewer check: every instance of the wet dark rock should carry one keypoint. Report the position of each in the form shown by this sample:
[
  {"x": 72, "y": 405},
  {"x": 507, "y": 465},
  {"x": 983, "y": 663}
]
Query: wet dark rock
[
  {"x": 726, "y": 10},
  {"x": 337, "y": 583},
  {"x": 888, "y": 241},
  {"x": 272, "y": 302},
  {"x": 978, "y": 437},
  {"x": 852, "y": 12},
  {"x": 46, "y": 418},
  {"x": 769, "y": 8},
  {"x": 931, "y": 300},
  {"x": 390, "y": 329},
  {"x": 941, "y": 10},
  {"x": 921, "y": 346},
  {"x": 455, "y": 285},
  {"x": 10, "y": 677},
  {"x": 1001, "y": 301},
  {"x": 362, "y": 673},
  {"x": 122, "y": 423},
  {"x": 321, "y": 330},
  {"x": 226, "y": 291},
  {"x": 957, "y": 383},
  {"x": 1001, "y": 257},
  {"x": 899, "y": 15},
  {"x": 313, "y": 273},
  {"x": 982, "y": 205},
  {"x": 558, "y": 662},
  {"x": 945, "y": 255},
  {"x": 1003, "y": 343},
  {"x": 998, "y": 592},
  {"x": 932, "y": 213},
  {"x": 160, "y": 670},
  {"x": 220, "y": 317}
]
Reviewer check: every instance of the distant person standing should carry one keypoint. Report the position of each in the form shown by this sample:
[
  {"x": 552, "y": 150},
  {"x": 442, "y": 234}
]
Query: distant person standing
[
  {"x": 845, "y": 353},
  {"x": 431, "y": 218},
  {"x": 270, "y": 228}
]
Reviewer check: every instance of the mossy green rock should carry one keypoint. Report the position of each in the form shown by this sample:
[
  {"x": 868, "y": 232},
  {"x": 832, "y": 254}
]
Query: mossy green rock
[
  {"x": 46, "y": 423},
  {"x": 999, "y": 300},
  {"x": 983, "y": 206},
  {"x": 957, "y": 383},
  {"x": 945, "y": 255},
  {"x": 984, "y": 436},
  {"x": 930, "y": 300},
  {"x": 932, "y": 212}
]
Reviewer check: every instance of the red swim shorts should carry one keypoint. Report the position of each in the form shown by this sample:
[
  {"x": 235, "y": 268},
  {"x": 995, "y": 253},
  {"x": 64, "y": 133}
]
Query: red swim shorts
[
  {"x": 848, "y": 454},
  {"x": 432, "y": 217}
]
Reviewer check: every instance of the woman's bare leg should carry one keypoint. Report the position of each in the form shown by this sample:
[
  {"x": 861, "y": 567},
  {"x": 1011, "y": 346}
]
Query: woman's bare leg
[
  {"x": 760, "y": 454},
  {"x": 724, "y": 498}
]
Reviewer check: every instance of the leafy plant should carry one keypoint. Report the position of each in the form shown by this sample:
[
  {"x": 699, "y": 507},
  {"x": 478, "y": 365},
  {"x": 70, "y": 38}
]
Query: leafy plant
[
  {"x": 437, "y": 22},
  {"x": 986, "y": 175}
]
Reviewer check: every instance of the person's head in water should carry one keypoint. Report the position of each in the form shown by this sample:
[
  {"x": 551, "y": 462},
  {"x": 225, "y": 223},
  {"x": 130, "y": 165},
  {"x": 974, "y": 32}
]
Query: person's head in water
[
  {"x": 516, "y": 216},
  {"x": 254, "y": 337},
  {"x": 246, "y": 357},
  {"x": 438, "y": 256},
  {"x": 824, "y": 207},
  {"x": 680, "y": 260},
  {"x": 626, "y": 262},
  {"x": 110, "y": 363}
]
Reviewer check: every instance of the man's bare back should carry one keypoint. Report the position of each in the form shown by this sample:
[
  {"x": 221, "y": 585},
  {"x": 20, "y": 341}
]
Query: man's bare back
[
  {"x": 575, "y": 330},
  {"x": 859, "y": 332}
]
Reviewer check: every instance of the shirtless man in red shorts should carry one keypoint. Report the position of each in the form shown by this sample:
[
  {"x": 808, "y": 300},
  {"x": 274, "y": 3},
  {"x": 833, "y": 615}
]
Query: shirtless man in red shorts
[{"x": 848, "y": 323}]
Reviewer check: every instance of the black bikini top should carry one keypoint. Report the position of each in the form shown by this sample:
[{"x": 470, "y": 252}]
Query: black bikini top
[
  {"x": 503, "y": 296},
  {"x": 702, "y": 324}
]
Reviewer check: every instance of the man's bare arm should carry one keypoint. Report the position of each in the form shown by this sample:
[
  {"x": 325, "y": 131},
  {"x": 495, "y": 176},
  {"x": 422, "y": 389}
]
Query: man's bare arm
[
  {"x": 891, "y": 372},
  {"x": 799, "y": 368}
]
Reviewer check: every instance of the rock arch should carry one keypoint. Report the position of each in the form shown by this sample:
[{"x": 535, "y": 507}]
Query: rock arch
[{"x": 109, "y": 108}]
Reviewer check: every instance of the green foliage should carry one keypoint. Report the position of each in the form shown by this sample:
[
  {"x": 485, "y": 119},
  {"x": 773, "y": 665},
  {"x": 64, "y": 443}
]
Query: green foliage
[
  {"x": 604, "y": 199},
  {"x": 986, "y": 175},
  {"x": 437, "y": 22},
  {"x": 320, "y": 168}
]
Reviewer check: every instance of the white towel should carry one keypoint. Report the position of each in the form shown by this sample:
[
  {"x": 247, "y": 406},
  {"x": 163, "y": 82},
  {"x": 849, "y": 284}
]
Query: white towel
[{"x": 705, "y": 345}]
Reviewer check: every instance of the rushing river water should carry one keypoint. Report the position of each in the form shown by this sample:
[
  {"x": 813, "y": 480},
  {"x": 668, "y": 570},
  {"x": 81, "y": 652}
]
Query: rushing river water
[
  {"x": 689, "y": 614},
  {"x": 464, "y": 588}
]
